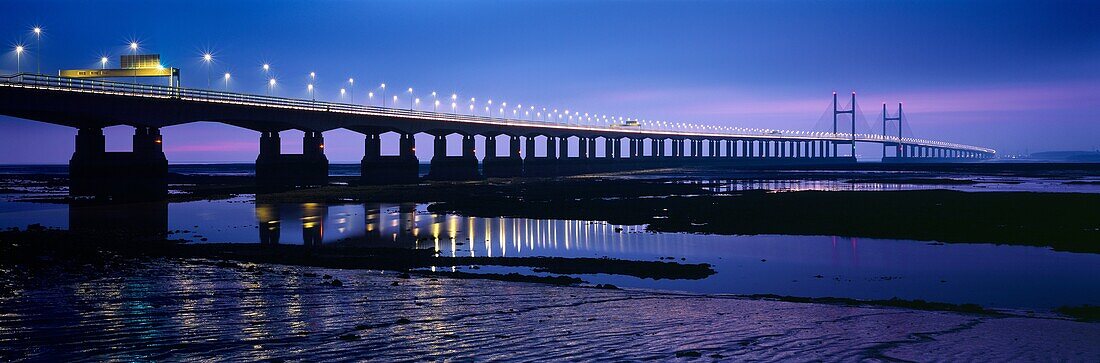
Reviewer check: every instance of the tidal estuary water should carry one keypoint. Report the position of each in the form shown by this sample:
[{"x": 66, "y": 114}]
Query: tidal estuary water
[
  {"x": 193, "y": 309},
  {"x": 1001, "y": 276}
]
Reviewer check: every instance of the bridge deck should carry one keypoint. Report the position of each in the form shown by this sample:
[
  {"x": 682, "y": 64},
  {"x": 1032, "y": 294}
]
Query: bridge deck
[{"x": 105, "y": 103}]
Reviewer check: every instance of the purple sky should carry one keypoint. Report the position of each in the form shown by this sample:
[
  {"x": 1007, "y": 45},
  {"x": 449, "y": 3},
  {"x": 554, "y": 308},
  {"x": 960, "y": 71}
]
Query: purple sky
[{"x": 1015, "y": 76}]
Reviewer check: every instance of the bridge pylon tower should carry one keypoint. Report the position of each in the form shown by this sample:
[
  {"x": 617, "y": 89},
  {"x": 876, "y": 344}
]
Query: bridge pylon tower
[
  {"x": 886, "y": 117},
  {"x": 851, "y": 111}
]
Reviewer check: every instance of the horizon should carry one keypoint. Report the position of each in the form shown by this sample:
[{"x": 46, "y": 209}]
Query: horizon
[{"x": 1021, "y": 79}]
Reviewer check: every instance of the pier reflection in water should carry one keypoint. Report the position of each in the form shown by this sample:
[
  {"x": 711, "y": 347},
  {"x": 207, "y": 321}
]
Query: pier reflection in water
[
  {"x": 988, "y": 274},
  {"x": 412, "y": 226}
]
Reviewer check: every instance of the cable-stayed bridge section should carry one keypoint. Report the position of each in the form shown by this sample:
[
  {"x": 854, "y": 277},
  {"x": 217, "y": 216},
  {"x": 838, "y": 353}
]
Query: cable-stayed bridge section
[{"x": 91, "y": 105}]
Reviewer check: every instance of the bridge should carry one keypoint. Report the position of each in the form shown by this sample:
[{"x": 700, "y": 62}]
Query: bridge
[{"x": 90, "y": 105}]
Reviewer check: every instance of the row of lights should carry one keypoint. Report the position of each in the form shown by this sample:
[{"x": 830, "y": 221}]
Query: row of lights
[
  {"x": 544, "y": 114},
  {"x": 19, "y": 49}
]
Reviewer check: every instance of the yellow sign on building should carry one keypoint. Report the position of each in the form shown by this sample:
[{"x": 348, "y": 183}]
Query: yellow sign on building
[
  {"x": 134, "y": 65},
  {"x": 109, "y": 73}
]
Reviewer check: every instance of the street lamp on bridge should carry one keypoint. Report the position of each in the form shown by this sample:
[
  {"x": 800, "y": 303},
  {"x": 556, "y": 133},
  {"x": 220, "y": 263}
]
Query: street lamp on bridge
[
  {"x": 383, "y": 95},
  {"x": 37, "y": 30},
  {"x": 19, "y": 58},
  {"x": 133, "y": 51},
  {"x": 207, "y": 58},
  {"x": 267, "y": 74},
  {"x": 227, "y": 81},
  {"x": 351, "y": 90}
]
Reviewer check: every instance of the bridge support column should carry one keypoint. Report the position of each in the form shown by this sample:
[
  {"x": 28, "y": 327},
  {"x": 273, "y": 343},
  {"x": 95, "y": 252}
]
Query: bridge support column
[
  {"x": 376, "y": 168},
  {"x": 541, "y": 166},
  {"x": 141, "y": 174},
  {"x": 551, "y": 147},
  {"x": 275, "y": 169},
  {"x": 462, "y": 167},
  {"x": 509, "y": 165},
  {"x": 529, "y": 148}
]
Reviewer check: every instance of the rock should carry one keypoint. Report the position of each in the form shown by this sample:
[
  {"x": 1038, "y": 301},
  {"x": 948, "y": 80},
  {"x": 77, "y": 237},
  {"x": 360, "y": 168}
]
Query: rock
[
  {"x": 394, "y": 283},
  {"x": 403, "y": 321},
  {"x": 688, "y": 354},
  {"x": 337, "y": 283},
  {"x": 326, "y": 277},
  {"x": 349, "y": 337}
]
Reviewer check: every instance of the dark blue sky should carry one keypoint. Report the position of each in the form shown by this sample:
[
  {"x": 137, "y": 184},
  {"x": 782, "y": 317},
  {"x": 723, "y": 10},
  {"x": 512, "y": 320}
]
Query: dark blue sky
[{"x": 1015, "y": 76}]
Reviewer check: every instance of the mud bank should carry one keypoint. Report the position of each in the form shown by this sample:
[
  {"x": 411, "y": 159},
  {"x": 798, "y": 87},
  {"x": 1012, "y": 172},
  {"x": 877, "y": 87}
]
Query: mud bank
[
  {"x": 39, "y": 251},
  {"x": 1064, "y": 221},
  {"x": 196, "y": 310}
]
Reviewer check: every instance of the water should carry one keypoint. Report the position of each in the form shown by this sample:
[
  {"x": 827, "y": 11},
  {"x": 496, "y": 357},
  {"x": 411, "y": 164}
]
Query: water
[
  {"x": 1012, "y": 277},
  {"x": 1071, "y": 182},
  {"x": 188, "y": 311}
]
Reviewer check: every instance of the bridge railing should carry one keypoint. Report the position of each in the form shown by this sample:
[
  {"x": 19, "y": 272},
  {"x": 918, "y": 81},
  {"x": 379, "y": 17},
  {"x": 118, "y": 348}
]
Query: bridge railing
[{"x": 190, "y": 94}]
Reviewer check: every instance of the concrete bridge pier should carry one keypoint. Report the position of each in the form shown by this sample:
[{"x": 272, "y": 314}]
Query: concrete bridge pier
[
  {"x": 507, "y": 166},
  {"x": 542, "y": 166},
  {"x": 568, "y": 165},
  {"x": 275, "y": 169},
  {"x": 140, "y": 174},
  {"x": 376, "y": 168},
  {"x": 461, "y": 167}
]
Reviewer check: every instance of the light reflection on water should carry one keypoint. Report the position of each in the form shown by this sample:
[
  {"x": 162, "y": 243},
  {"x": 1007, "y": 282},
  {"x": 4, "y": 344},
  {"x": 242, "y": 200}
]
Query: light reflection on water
[
  {"x": 981, "y": 184},
  {"x": 999, "y": 276}
]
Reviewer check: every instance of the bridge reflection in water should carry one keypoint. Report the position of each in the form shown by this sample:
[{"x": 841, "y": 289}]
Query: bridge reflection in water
[
  {"x": 412, "y": 226},
  {"x": 405, "y": 225},
  {"x": 775, "y": 264}
]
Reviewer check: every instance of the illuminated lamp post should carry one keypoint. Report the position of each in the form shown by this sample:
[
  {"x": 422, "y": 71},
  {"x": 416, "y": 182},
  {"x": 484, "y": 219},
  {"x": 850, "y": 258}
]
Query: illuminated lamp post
[{"x": 207, "y": 58}]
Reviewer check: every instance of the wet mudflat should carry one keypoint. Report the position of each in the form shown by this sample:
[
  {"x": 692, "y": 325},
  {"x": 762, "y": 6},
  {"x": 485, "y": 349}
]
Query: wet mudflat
[
  {"x": 198, "y": 309},
  {"x": 497, "y": 268}
]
